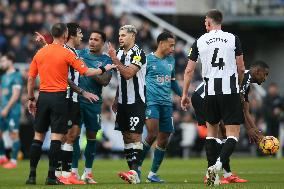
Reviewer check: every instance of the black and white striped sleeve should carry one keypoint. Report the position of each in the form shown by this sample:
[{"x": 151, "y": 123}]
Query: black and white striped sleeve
[
  {"x": 138, "y": 58},
  {"x": 246, "y": 94},
  {"x": 238, "y": 50},
  {"x": 193, "y": 52}
]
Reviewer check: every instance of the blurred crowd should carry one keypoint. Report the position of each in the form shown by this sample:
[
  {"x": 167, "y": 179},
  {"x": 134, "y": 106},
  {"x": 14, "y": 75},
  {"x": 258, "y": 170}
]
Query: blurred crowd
[{"x": 19, "y": 20}]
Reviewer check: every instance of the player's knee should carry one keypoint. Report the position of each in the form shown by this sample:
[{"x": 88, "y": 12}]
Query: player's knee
[
  {"x": 56, "y": 136},
  {"x": 39, "y": 136},
  {"x": 151, "y": 138},
  {"x": 162, "y": 143},
  {"x": 233, "y": 130},
  {"x": 131, "y": 137}
]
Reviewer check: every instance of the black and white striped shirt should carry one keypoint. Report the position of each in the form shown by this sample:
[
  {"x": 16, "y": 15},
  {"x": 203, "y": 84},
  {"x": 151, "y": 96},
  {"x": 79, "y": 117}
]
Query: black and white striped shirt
[
  {"x": 132, "y": 90},
  {"x": 245, "y": 87},
  {"x": 217, "y": 51},
  {"x": 73, "y": 75}
]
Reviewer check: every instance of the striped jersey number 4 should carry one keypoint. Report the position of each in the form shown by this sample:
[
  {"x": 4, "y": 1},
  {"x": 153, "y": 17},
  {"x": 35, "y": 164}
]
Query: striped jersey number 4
[
  {"x": 133, "y": 122},
  {"x": 219, "y": 64}
]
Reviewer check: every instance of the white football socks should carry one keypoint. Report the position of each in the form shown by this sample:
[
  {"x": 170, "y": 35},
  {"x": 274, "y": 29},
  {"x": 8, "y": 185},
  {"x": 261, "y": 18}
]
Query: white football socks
[{"x": 151, "y": 174}]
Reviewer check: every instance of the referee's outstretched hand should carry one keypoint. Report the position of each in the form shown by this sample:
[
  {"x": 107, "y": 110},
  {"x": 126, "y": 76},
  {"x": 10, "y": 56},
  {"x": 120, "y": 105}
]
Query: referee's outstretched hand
[{"x": 185, "y": 102}]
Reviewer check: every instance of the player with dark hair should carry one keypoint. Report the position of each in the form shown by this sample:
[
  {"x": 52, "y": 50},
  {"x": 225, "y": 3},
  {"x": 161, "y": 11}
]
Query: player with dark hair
[
  {"x": 10, "y": 108},
  {"x": 74, "y": 117},
  {"x": 63, "y": 170},
  {"x": 91, "y": 112},
  {"x": 160, "y": 82},
  {"x": 223, "y": 71},
  {"x": 89, "y": 106},
  {"x": 51, "y": 63},
  {"x": 256, "y": 74}
]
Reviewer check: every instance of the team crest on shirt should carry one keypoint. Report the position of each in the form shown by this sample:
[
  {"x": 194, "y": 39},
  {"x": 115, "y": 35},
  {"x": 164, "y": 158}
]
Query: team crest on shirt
[
  {"x": 12, "y": 123},
  {"x": 99, "y": 63},
  {"x": 154, "y": 67}
]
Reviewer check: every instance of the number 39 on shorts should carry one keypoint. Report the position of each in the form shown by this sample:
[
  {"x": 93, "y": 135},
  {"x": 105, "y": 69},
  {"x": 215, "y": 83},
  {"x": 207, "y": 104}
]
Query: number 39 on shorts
[{"x": 133, "y": 122}]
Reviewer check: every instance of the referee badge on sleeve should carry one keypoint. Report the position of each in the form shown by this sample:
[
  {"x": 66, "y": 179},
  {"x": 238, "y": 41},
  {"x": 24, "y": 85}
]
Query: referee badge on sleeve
[{"x": 136, "y": 60}]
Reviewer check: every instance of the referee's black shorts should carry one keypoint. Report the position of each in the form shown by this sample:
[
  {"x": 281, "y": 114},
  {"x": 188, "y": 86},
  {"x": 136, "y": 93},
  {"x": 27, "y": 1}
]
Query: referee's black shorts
[
  {"x": 130, "y": 117},
  {"x": 226, "y": 107},
  {"x": 198, "y": 104},
  {"x": 52, "y": 110}
]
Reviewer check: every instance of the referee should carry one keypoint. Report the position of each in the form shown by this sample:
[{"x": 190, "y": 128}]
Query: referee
[
  {"x": 51, "y": 63},
  {"x": 130, "y": 98}
]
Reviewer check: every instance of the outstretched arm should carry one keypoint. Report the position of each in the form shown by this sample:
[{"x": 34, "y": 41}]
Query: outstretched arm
[{"x": 103, "y": 79}]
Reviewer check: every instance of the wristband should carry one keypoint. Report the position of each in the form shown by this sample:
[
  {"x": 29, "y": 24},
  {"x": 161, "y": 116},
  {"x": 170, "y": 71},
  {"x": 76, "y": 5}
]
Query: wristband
[{"x": 103, "y": 69}]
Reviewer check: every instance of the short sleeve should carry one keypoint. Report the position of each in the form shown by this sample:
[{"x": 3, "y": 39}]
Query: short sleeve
[
  {"x": 193, "y": 52},
  {"x": 138, "y": 58},
  {"x": 238, "y": 50},
  {"x": 18, "y": 81},
  {"x": 76, "y": 63},
  {"x": 173, "y": 73},
  {"x": 33, "y": 72},
  {"x": 246, "y": 94}
]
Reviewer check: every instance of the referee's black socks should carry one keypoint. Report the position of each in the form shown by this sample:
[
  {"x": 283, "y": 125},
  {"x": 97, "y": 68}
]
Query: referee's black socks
[
  {"x": 35, "y": 153},
  {"x": 54, "y": 154}
]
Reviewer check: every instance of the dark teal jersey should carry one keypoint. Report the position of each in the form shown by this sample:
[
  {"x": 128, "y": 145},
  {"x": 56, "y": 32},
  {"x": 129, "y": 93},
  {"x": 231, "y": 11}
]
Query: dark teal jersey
[
  {"x": 8, "y": 82},
  {"x": 159, "y": 74},
  {"x": 88, "y": 83}
]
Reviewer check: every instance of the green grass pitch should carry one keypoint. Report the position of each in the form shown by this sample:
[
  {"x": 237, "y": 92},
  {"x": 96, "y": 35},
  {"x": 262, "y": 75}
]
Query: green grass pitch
[{"x": 261, "y": 173}]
